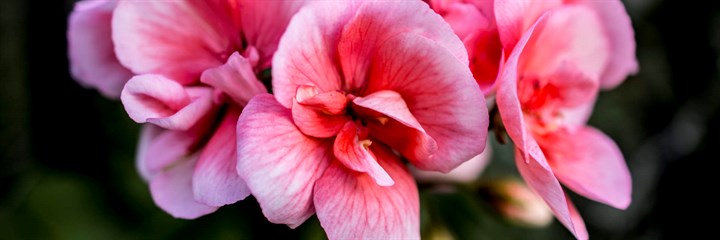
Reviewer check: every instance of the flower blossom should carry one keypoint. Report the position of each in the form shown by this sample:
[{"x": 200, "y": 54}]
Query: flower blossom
[
  {"x": 358, "y": 85},
  {"x": 197, "y": 64}
]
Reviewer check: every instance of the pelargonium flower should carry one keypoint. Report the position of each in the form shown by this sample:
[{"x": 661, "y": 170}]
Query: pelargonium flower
[
  {"x": 545, "y": 94},
  {"x": 90, "y": 48},
  {"x": 359, "y": 86},
  {"x": 197, "y": 63},
  {"x": 490, "y": 28}
]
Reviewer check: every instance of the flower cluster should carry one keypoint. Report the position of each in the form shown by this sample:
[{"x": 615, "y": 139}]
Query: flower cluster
[{"x": 322, "y": 107}]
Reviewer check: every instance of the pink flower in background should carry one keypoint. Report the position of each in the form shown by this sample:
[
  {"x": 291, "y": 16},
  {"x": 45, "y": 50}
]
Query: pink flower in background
[
  {"x": 355, "y": 83},
  {"x": 545, "y": 95},
  {"x": 91, "y": 50},
  {"x": 198, "y": 62},
  {"x": 474, "y": 22}
]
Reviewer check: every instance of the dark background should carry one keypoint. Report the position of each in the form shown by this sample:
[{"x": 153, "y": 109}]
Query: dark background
[{"x": 67, "y": 170}]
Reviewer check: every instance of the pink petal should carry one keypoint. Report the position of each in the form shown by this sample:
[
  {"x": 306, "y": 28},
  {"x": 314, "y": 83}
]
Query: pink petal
[
  {"x": 589, "y": 163},
  {"x": 264, "y": 22},
  {"x": 619, "y": 31},
  {"x": 236, "y": 79},
  {"x": 159, "y": 148},
  {"x": 439, "y": 91},
  {"x": 571, "y": 35},
  {"x": 465, "y": 18},
  {"x": 376, "y": 22},
  {"x": 163, "y": 102},
  {"x": 90, "y": 48},
  {"x": 514, "y": 18},
  {"x": 279, "y": 164},
  {"x": 172, "y": 191},
  {"x": 467, "y": 172},
  {"x": 352, "y": 150},
  {"x": 508, "y": 101},
  {"x": 215, "y": 180},
  {"x": 178, "y": 39},
  {"x": 319, "y": 115},
  {"x": 332, "y": 102},
  {"x": 351, "y": 205},
  {"x": 540, "y": 178},
  {"x": 401, "y": 131},
  {"x": 306, "y": 53}
]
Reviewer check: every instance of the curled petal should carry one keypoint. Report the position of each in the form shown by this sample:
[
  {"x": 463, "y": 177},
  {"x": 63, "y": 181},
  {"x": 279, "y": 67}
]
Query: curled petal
[
  {"x": 236, "y": 79},
  {"x": 163, "y": 102},
  {"x": 354, "y": 153}
]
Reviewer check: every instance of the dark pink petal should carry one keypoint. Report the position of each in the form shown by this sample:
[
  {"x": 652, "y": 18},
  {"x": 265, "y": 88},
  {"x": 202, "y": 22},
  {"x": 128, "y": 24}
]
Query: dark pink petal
[
  {"x": 353, "y": 152},
  {"x": 375, "y": 22},
  {"x": 319, "y": 115},
  {"x": 465, "y": 18},
  {"x": 264, "y": 22},
  {"x": 395, "y": 125},
  {"x": 178, "y": 39},
  {"x": 163, "y": 102},
  {"x": 215, "y": 180},
  {"x": 589, "y": 163},
  {"x": 619, "y": 31},
  {"x": 540, "y": 178},
  {"x": 307, "y": 50},
  {"x": 279, "y": 164},
  {"x": 236, "y": 79},
  {"x": 352, "y": 205},
  {"x": 439, "y": 91},
  {"x": 172, "y": 191},
  {"x": 91, "y": 51}
]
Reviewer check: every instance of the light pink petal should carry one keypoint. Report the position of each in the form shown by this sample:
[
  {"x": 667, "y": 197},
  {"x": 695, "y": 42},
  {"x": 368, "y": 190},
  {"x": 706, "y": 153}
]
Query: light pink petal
[
  {"x": 172, "y": 191},
  {"x": 178, "y": 39},
  {"x": 163, "y": 102},
  {"x": 279, "y": 164},
  {"x": 352, "y": 151},
  {"x": 395, "y": 125},
  {"x": 540, "y": 178},
  {"x": 264, "y": 22},
  {"x": 319, "y": 115},
  {"x": 90, "y": 48},
  {"x": 306, "y": 54},
  {"x": 352, "y": 205},
  {"x": 571, "y": 35},
  {"x": 215, "y": 180},
  {"x": 439, "y": 91},
  {"x": 159, "y": 148},
  {"x": 589, "y": 163},
  {"x": 619, "y": 31},
  {"x": 376, "y": 22},
  {"x": 514, "y": 18},
  {"x": 236, "y": 79}
]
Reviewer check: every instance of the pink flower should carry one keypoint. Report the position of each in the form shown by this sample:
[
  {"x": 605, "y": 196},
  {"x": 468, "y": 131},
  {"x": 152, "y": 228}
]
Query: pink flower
[
  {"x": 90, "y": 48},
  {"x": 356, "y": 83},
  {"x": 545, "y": 94},
  {"x": 474, "y": 21},
  {"x": 198, "y": 62}
]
